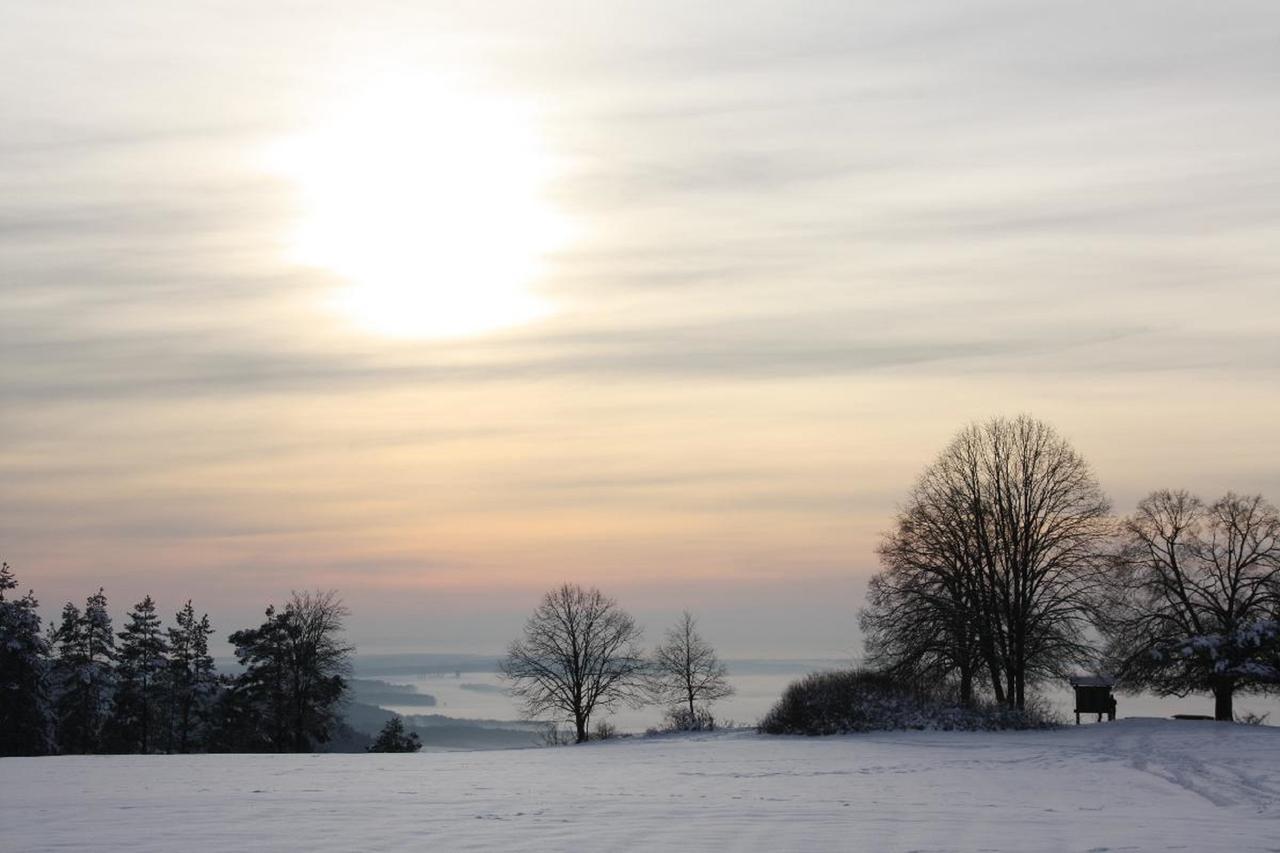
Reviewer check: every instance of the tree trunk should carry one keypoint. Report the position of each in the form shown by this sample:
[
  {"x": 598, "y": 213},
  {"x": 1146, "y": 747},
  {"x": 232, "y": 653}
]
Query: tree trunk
[
  {"x": 581, "y": 723},
  {"x": 1222, "y": 695},
  {"x": 966, "y": 686},
  {"x": 186, "y": 726},
  {"x": 996, "y": 687}
]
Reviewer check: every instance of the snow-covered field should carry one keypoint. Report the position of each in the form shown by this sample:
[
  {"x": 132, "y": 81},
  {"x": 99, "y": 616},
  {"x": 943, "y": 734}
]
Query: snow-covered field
[{"x": 1130, "y": 785}]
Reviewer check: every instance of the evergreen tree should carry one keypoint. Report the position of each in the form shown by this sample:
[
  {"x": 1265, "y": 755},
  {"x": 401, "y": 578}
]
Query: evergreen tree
[
  {"x": 26, "y": 716},
  {"x": 141, "y": 663},
  {"x": 289, "y": 695},
  {"x": 393, "y": 738},
  {"x": 69, "y": 701},
  {"x": 82, "y": 674},
  {"x": 255, "y": 708},
  {"x": 236, "y": 723},
  {"x": 192, "y": 682}
]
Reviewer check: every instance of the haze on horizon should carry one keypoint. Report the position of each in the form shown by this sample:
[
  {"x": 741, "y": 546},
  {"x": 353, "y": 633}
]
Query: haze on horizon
[{"x": 441, "y": 304}]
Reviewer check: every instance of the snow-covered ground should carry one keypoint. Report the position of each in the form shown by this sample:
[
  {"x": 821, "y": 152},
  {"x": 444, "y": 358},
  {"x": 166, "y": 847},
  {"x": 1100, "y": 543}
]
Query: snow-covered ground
[{"x": 1132, "y": 785}]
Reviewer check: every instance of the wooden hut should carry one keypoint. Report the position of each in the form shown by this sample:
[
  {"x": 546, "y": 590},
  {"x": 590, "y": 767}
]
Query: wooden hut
[{"x": 1093, "y": 696}]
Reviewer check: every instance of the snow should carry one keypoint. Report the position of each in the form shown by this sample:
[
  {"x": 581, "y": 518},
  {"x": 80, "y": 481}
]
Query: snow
[{"x": 1133, "y": 784}]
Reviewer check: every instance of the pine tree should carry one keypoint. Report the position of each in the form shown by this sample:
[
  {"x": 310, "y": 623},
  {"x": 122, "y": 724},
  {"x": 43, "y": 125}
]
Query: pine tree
[
  {"x": 393, "y": 738},
  {"x": 68, "y": 695},
  {"x": 257, "y": 705},
  {"x": 192, "y": 682},
  {"x": 141, "y": 664},
  {"x": 82, "y": 674},
  {"x": 26, "y": 716},
  {"x": 289, "y": 695}
]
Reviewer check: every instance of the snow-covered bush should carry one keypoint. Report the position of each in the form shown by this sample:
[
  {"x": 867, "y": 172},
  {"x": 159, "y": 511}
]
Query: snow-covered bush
[{"x": 843, "y": 701}]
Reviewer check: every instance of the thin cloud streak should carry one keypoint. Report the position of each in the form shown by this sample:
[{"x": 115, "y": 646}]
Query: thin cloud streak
[{"x": 811, "y": 242}]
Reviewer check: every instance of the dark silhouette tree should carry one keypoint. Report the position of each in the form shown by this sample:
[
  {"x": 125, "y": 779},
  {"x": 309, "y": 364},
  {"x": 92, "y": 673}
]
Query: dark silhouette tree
[
  {"x": 138, "y": 718},
  {"x": 26, "y": 715},
  {"x": 296, "y": 665},
  {"x": 687, "y": 673},
  {"x": 579, "y": 654},
  {"x": 82, "y": 675},
  {"x": 924, "y": 608},
  {"x": 393, "y": 738},
  {"x": 192, "y": 682},
  {"x": 1000, "y": 547},
  {"x": 1196, "y": 597}
]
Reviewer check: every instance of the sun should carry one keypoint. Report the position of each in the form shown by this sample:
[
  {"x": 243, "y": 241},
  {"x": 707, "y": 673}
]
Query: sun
[{"x": 430, "y": 204}]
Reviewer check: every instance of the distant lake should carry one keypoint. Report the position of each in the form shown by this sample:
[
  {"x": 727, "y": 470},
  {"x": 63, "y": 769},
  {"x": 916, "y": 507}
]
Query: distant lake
[{"x": 480, "y": 694}]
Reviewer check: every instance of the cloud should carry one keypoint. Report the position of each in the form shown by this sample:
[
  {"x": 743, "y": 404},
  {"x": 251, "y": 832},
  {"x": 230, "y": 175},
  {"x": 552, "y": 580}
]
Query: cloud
[{"x": 811, "y": 241}]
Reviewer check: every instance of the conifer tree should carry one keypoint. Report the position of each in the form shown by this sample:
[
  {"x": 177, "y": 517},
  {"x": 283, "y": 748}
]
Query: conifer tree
[
  {"x": 256, "y": 706},
  {"x": 393, "y": 738},
  {"x": 141, "y": 664},
  {"x": 289, "y": 696},
  {"x": 192, "y": 682},
  {"x": 26, "y": 717},
  {"x": 82, "y": 674}
]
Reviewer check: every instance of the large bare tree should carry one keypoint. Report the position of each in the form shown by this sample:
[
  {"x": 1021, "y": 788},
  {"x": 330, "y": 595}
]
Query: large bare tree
[
  {"x": 995, "y": 561},
  {"x": 688, "y": 673},
  {"x": 579, "y": 654},
  {"x": 922, "y": 614},
  {"x": 1196, "y": 597}
]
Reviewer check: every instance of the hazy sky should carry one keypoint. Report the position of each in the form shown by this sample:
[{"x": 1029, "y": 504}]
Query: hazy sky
[{"x": 750, "y": 266}]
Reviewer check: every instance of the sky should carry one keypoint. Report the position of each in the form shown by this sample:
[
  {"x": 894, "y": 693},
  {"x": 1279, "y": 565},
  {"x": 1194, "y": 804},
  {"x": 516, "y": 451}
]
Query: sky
[{"x": 443, "y": 304}]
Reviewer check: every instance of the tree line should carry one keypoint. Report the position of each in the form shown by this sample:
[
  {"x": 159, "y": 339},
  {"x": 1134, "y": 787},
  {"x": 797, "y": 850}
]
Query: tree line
[
  {"x": 81, "y": 687},
  {"x": 1005, "y": 568}
]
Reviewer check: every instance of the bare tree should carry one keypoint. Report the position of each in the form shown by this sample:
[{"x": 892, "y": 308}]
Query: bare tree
[
  {"x": 997, "y": 556},
  {"x": 687, "y": 671},
  {"x": 319, "y": 664},
  {"x": 922, "y": 618},
  {"x": 1196, "y": 596},
  {"x": 579, "y": 653}
]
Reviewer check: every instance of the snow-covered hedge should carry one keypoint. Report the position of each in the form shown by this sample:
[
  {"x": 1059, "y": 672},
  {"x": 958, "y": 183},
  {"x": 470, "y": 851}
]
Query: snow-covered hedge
[{"x": 827, "y": 703}]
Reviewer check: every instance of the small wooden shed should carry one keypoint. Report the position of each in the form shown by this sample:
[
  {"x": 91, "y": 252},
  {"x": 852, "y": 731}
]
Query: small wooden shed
[{"x": 1093, "y": 696}]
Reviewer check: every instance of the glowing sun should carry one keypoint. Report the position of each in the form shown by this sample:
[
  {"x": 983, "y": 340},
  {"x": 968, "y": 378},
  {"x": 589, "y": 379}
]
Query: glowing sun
[{"x": 430, "y": 204}]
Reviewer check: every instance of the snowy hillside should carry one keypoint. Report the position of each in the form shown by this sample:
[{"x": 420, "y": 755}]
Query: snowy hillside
[{"x": 1135, "y": 784}]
